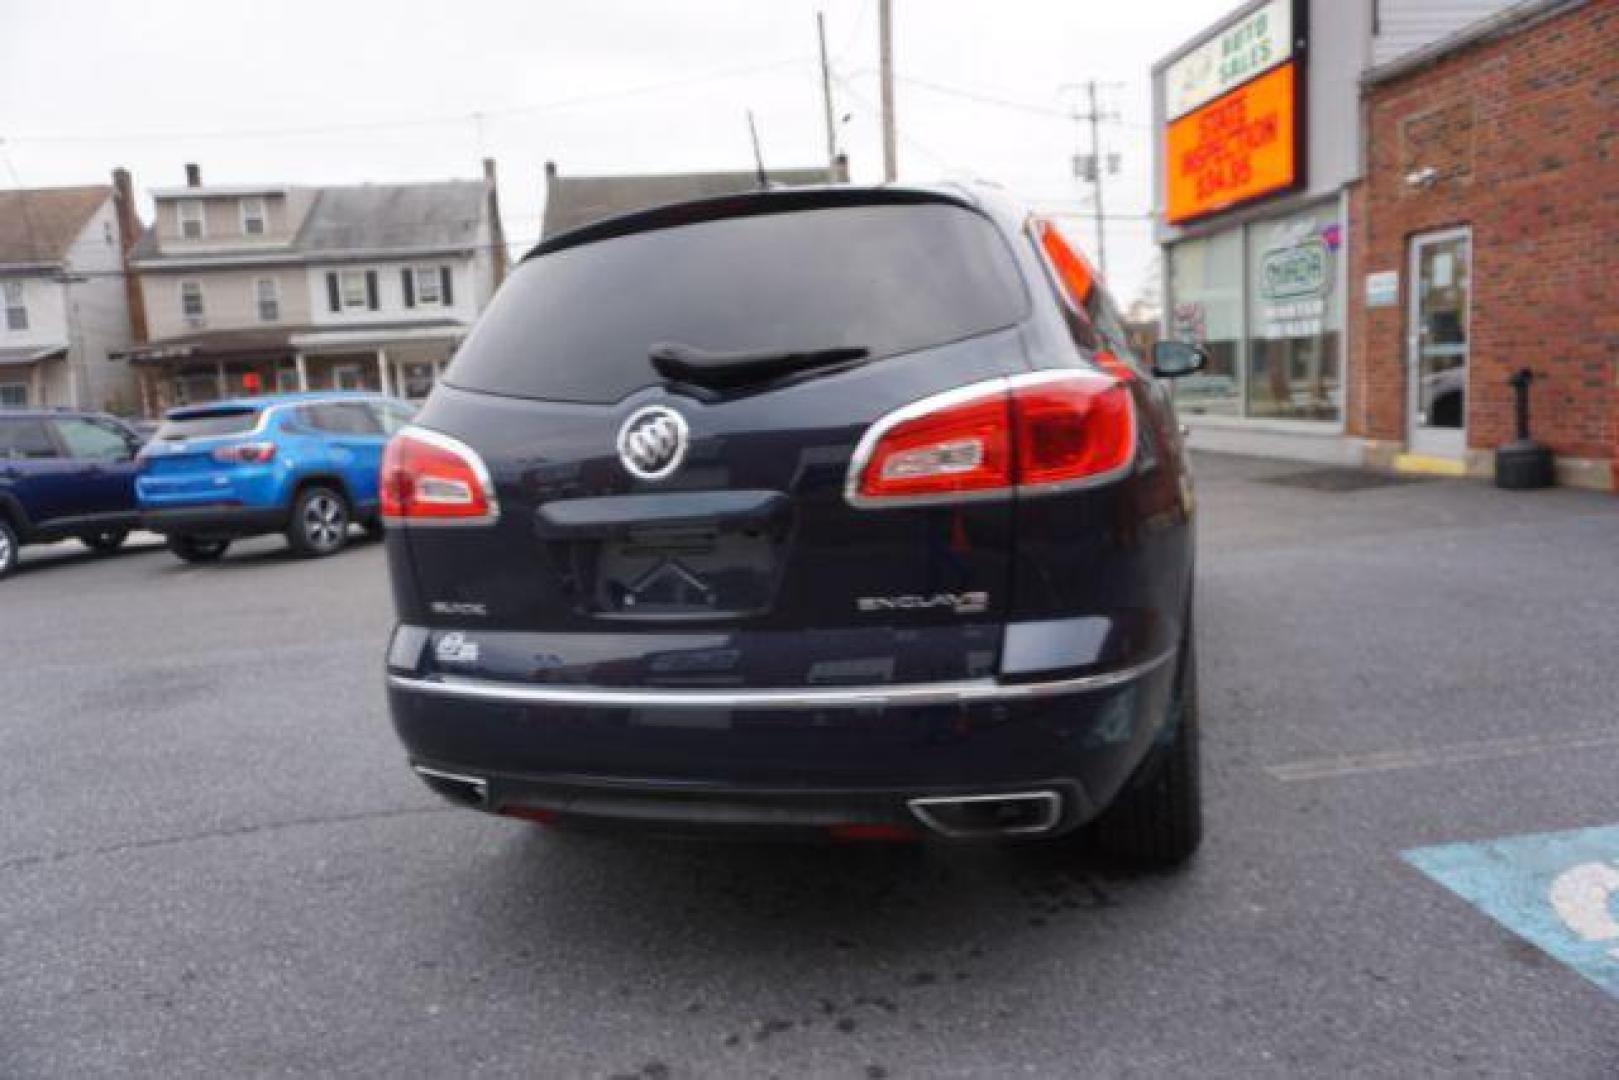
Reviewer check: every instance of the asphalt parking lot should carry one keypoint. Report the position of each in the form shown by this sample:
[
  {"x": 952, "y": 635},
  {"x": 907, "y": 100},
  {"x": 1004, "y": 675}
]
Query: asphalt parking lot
[{"x": 212, "y": 859}]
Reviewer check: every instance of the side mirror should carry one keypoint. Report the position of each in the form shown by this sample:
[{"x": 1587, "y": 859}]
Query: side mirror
[{"x": 1172, "y": 359}]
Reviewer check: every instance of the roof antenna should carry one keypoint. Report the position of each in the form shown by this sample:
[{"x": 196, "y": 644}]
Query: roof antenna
[{"x": 758, "y": 157}]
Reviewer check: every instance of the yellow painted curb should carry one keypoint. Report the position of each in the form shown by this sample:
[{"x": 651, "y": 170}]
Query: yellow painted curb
[{"x": 1429, "y": 466}]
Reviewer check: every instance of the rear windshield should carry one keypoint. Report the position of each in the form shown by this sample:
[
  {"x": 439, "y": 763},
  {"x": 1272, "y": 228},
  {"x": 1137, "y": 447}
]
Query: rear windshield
[
  {"x": 206, "y": 425},
  {"x": 576, "y": 325}
]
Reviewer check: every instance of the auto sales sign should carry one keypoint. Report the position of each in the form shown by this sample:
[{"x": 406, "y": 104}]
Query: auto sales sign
[{"x": 1233, "y": 107}]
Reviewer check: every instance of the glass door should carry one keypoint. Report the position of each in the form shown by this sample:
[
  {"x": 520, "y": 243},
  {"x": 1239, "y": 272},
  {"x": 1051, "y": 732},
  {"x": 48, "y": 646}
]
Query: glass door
[{"x": 1436, "y": 347}]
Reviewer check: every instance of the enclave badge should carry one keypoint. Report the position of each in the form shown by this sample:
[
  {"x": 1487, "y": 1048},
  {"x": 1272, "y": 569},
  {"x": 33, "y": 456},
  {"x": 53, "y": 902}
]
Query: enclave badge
[{"x": 652, "y": 442}]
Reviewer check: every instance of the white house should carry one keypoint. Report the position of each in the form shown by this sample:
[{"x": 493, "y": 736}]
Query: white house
[{"x": 64, "y": 300}]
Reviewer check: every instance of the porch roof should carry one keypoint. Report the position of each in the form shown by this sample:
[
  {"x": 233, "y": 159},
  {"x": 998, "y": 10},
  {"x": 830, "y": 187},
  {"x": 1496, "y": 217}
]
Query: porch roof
[
  {"x": 284, "y": 341},
  {"x": 23, "y": 355}
]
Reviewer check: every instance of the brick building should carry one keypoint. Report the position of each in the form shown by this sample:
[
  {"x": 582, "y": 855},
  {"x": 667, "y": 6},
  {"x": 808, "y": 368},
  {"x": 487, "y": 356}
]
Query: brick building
[
  {"x": 1490, "y": 208},
  {"x": 1375, "y": 211}
]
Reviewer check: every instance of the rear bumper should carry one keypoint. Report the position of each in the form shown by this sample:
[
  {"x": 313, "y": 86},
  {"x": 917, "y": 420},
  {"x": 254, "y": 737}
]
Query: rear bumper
[
  {"x": 784, "y": 760},
  {"x": 215, "y": 521},
  {"x": 1055, "y": 805}
]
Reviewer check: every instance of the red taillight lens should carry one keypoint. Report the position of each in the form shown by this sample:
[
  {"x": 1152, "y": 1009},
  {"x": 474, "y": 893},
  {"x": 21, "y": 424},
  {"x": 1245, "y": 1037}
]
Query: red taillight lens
[
  {"x": 254, "y": 453},
  {"x": 1072, "y": 429},
  {"x": 943, "y": 446},
  {"x": 431, "y": 477},
  {"x": 1031, "y": 433}
]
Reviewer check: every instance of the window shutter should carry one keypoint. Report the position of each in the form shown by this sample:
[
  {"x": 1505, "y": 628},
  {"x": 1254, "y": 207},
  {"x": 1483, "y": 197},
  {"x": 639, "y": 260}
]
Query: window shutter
[
  {"x": 332, "y": 297},
  {"x": 407, "y": 279},
  {"x": 444, "y": 276},
  {"x": 371, "y": 290}
]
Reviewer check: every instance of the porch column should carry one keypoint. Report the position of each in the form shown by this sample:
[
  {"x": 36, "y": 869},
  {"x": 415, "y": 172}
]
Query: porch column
[
  {"x": 219, "y": 378},
  {"x": 148, "y": 397},
  {"x": 36, "y": 386},
  {"x": 382, "y": 371},
  {"x": 303, "y": 371}
]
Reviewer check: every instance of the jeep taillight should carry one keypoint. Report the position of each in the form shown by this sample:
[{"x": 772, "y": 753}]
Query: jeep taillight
[
  {"x": 428, "y": 478},
  {"x": 253, "y": 453},
  {"x": 1029, "y": 434}
]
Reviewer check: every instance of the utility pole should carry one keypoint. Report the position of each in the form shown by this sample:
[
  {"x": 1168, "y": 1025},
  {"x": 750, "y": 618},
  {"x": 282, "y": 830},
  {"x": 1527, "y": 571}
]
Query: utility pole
[
  {"x": 1096, "y": 151},
  {"x": 1095, "y": 166},
  {"x": 826, "y": 101},
  {"x": 885, "y": 30}
]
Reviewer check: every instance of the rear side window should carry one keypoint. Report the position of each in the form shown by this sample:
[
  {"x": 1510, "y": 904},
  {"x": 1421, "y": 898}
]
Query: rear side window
[
  {"x": 577, "y": 324},
  {"x": 340, "y": 418},
  {"x": 93, "y": 440},
  {"x": 25, "y": 437},
  {"x": 207, "y": 425}
]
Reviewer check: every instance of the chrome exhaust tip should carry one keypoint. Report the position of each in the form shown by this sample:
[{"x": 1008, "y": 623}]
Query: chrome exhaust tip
[
  {"x": 974, "y": 817},
  {"x": 458, "y": 788}
]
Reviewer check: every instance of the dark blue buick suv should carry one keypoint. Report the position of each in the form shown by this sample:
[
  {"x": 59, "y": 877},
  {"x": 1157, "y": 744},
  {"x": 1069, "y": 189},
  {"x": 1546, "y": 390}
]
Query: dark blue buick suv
[{"x": 835, "y": 511}]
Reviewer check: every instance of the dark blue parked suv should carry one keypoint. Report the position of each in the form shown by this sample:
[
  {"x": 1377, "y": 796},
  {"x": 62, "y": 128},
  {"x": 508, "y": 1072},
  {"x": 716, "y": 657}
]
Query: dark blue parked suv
[
  {"x": 847, "y": 512},
  {"x": 65, "y": 475},
  {"x": 304, "y": 465}
]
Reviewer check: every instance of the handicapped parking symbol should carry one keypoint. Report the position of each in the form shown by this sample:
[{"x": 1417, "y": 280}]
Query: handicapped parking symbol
[
  {"x": 1557, "y": 890},
  {"x": 1584, "y": 897}
]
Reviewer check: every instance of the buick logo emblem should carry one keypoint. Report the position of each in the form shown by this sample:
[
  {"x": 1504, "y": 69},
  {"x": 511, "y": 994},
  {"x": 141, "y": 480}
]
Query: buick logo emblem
[{"x": 652, "y": 442}]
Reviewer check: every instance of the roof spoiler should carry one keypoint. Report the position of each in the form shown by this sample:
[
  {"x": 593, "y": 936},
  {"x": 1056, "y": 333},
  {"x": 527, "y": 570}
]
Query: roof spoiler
[{"x": 745, "y": 204}]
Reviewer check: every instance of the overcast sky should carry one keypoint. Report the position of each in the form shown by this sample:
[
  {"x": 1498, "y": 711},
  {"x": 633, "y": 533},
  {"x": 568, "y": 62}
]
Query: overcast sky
[{"x": 340, "y": 91}]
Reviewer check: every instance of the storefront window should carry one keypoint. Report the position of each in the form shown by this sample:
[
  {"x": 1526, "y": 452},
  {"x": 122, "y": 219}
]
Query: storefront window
[
  {"x": 1205, "y": 295},
  {"x": 1295, "y": 318}
]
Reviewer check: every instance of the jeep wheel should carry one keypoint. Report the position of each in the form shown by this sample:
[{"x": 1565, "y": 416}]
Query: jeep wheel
[
  {"x": 8, "y": 547},
  {"x": 194, "y": 550},
  {"x": 320, "y": 522},
  {"x": 105, "y": 543},
  {"x": 1157, "y": 820}
]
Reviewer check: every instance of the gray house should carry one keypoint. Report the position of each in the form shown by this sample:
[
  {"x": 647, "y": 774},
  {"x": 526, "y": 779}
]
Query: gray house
[{"x": 259, "y": 288}]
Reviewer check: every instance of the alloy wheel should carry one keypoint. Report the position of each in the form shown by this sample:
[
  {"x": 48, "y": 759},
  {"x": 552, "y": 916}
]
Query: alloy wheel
[{"x": 325, "y": 521}]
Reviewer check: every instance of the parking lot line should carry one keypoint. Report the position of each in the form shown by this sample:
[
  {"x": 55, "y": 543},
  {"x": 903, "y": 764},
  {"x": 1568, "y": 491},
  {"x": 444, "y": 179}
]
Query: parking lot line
[{"x": 1422, "y": 757}]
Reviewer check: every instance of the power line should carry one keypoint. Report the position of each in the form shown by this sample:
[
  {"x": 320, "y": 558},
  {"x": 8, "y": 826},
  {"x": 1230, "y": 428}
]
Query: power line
[
  {"x": 473, "y": 116},
  {"x": 869, "y": 108}
]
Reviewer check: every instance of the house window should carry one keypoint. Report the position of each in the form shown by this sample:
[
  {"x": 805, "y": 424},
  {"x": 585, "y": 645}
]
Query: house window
[
  {"x": 191, "y": 299},
  {"x": 16, "y": 306},
  {"x": 349, "y": 377},
  {"x": 13, "y": 395},
  {"x": 286, "y": 380},
  {"x": 252, "y": 217},
  {"x": 352, "y": 284},
  {"x": 191, "y": 219},
  {"x": 268, "y": 296},
  {"x": 428, "y": 285}
]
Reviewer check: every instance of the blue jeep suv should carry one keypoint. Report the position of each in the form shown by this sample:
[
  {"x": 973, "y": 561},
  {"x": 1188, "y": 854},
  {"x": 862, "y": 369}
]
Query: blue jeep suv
[
  {"x": 65, "y": 475},
  {"x": 301, "y": 464}
]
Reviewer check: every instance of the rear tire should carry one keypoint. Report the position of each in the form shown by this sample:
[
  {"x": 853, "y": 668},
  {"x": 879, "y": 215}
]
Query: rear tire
[
  {"x": 320, "y": 522},
  {"x": 105, "y": 543},
  {"x": 192, "y": 549},
  {"x": 9, "y": 545},
  {"x": 1156, "y": 822}
]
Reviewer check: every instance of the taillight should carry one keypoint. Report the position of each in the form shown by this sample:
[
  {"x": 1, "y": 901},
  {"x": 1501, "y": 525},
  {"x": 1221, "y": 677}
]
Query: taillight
[
  {"x": 952, "y": 445},
  {"x": 1030, "y": 434},
  {"x": 1073, "y": 430},
  {"x": 253, "y": 453},
  {"x": 428, "y": 478}
]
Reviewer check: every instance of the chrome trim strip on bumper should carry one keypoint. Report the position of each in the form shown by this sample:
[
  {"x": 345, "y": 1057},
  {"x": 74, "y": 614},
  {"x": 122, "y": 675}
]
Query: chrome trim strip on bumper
[{"x": 959, "y": 692}]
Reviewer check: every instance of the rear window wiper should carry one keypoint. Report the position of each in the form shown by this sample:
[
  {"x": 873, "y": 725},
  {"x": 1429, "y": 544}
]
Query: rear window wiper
[{"x": 720, "y": 370}]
